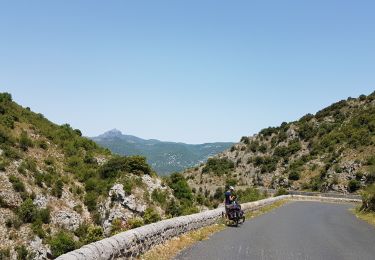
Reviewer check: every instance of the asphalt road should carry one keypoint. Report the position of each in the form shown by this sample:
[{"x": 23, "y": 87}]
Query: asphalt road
[{"x": 297, "y": 230}]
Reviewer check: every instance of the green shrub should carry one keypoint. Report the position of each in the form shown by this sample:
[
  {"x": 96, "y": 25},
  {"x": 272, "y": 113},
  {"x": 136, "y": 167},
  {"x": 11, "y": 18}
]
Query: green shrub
[
  {"x": 151, "y": 216},
  {"x": 135, "y": 222},
  {"x": 268, "y": 131},
  {"x": 263, "y": 148},
  {"x": 248, "y": 195},
  {"x": 230, "y": 182},
  {"x": 43, "y": 144},
  {"x": 22, "y": 252},
  {"x": 116, "y": 226},
  {"x": 58, "y": 188},
  {"x": 219, "y": 194},
  {"x": 3, "y": 203},
  {"x": 29, "y": 164},
  {"x": 90, "y": 200},
  {"x": 353, "y": 185},
  {"x": 281, "y": 191},
  {"x": 13, "y": 222},
  {"x": 253, "y": 146},
  {"x": 25, "y": 141},
  {"x": 11, "y": 153},
  {"x": 173, "y": 208},
  {"x": 27, "y": 212},
  {"x": 294, "y": 175},
  {"x": 17, "y": 184},
  {"x": 94, "y": 233},
  {"x": 4, "y": 253},
  {"x": 78, "y": 208},
  {"x": 131, "y": 164},
  {"x": 245, "y": 140},
  {"x": 62, "y": 243},
  {"x": 159, "y": 196},
  {"x": 5, "y": 97},
  {"x": 8, "y": 121},
  {"x": 37, "y": 228},
  {"x": 180, "y": 187},
  {"x": 368, "y": 198},
  {"x": 44, "y": 215},
  {"x": 218, "y": 166},
  {"x": 370, "y": 178}
]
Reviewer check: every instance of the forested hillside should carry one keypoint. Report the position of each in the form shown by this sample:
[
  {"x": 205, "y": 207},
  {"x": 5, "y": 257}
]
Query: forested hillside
[{"x": 332, "y": 150}]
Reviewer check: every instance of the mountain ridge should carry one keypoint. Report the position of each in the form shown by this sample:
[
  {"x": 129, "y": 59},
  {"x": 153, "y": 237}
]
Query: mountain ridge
[{"x": 164, "y": 156}]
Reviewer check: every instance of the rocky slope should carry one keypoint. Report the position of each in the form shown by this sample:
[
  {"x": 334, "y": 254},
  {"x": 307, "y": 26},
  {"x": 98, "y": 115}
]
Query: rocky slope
[
  {"x": 59, "y": 190},
  {"x": 332, "y": 150},
  {"x": 164, "y": 157}
]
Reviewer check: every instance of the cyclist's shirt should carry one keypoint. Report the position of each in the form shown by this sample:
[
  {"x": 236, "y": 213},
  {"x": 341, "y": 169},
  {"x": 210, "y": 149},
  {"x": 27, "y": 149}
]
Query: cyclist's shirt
[{"x": 227, "y": 198}]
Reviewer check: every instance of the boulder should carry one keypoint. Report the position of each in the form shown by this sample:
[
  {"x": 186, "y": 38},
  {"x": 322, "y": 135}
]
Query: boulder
[
  {"x": 69, "y": 220},
  {"x": 40, "y": 201}
]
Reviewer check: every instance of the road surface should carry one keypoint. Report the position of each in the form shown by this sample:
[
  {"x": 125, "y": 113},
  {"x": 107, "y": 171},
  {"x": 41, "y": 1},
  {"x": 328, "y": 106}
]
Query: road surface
[{"x": 297, "y": 230}]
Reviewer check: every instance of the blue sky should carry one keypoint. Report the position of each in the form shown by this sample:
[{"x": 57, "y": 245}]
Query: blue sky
[{"x": 190, "y": 71}]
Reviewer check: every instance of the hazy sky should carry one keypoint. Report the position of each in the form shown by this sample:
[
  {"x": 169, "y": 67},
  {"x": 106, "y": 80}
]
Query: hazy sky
[{"x": 191, "y": 71}]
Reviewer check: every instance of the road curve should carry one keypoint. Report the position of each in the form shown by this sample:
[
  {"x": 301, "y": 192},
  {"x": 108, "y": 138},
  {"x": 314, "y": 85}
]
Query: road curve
[{"x": 297, "y": 230}]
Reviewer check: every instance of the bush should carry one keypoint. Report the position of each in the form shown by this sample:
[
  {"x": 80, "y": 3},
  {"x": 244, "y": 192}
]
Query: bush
[
  {"x": 159, "y": 196},
  {"x": 22, "y": 252},
  {"x": 45, "y": 215},
  {"x": 116, "y": 226},
  {"x": 90, "y": 200},
  {"x": 173, "y": 208},
  {"x": 3, "y": 203},
  {"x": 5, "y": 253},
  {"x": 294, "y": 175},
  {"x": 94, "y": 233},
  {"x": 25, "y": 141},
  {"x": 281, "y": 191},
  {"x": 131, "y": 164},
  {"x": 58, "y": 188},
  {"x": 27, "y": 212},
  {"x": 219, "y": 194},
  {"x": 370, "y": 178},
  {"x": 245, "y": 140},
  {"x": 5, "y": 97},
  {"x": 353, "y": 185},
  {"x": 17, "y": 184},
  {"x": 230, "y": 182},
  {"x": 135, "y": 222},
  {"x": 62, "y": 243},
  {"x": 180, "y": 187},
  {"x": 218, "y": 166},
  {"x": 249, "y": 194},
  {"x": 368, "y": 198},
  {"x": 7, "y": 121},
  {"x": 151, "y": 216}
]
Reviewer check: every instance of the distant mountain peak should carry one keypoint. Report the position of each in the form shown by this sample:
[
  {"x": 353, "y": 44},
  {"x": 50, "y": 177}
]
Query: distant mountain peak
[{"x": 112, "y": 133}]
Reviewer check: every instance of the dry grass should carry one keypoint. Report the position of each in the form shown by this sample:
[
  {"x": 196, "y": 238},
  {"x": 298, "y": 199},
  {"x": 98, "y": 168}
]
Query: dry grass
[
  {"x": 171, "y": 248},
  {"x": 369, "y": 217}
]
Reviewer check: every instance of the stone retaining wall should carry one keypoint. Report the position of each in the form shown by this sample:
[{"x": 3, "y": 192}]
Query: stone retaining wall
[{"x": 132, "y": 243}]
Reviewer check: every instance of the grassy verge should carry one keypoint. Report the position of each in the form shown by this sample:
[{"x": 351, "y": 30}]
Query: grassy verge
[
  {"x": 369, "y": 217},
  {"x": 172, "y": 247}
]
